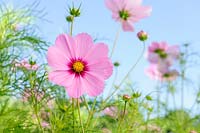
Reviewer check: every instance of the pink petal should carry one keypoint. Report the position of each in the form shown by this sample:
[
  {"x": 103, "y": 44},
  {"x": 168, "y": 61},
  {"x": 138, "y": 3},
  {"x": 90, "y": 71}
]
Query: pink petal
[
  {"x": 66, "y": 44},
  {"x": 163, "y": 45},
  {"x": 152, "y": 57},
  {"x": 114, "y": 5},
  {"x": 98, "y": 51},
  {"x": 57, "y": 59},
  {"x": 134, "y": 2},
  {"x": 127, "y": 26},
  {"x": 93, "y": 84},
  {"x": 83, "y": 43},
  {"x": 75, "y": 90},
  {"x": 174, "y": 51},
  {"x": 63, "y": 78},
  {"x": 102, "y": 67}
]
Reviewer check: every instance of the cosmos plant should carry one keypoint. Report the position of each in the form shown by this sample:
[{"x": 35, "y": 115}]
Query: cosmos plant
[{"x": 77, "y": 88}]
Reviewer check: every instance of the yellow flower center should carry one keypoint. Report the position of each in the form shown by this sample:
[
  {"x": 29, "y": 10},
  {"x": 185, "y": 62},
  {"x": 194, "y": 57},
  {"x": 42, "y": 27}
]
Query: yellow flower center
[{"x": 78, "y": 66}]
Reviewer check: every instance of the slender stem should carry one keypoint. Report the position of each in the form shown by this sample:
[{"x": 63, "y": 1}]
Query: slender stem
[
  {"x": 158, "y": 102},
  {"x": 167, "y": 97},
  {"x": 182, "y": 89},
  {"x": 132, "y": 68},
  {"x": 86, "y": 104},
  {"x": 91, "y": 113},
  {"x": 115, "y": 42},
  {"x": 71, "y": 27},
  {"x": 122, "y": 119},
  {"x": 38, "y": 119},
  {"x": 73, "y": 115},
  {"x": 79, "y": 114},
  {"x": 114, "y": 80},
  {"x": 174, "y": 100},
  {"x": 148, "y": 116}
]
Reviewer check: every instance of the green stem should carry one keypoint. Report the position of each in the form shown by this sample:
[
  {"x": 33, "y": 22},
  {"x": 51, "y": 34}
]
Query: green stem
[
  {"x": 114, "y": 80},
  {"x": 71, "y": 27},
  {"x": 174, "y": 100},
  {"x": 148, "y": 116},
  {"x": 115, "y": 43},
  {"x": 182, "y": 89},
  {"x": 73, "y": 109},
  {"x": 38, "y": 119},
  {"x": 91, "y": 113},
  {"x": 132, "y": 68},
  {"x": 158, "y": 102},
  {"x": 79, "y": 114},
  {"x": 122, "y": 119},
  {"x": 86, "y": 104}
]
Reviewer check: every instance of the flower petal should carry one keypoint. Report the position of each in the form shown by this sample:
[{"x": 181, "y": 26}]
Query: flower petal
[
  {"x": 102, "y": 67},
  {"x": 75, "y": 90},
  {"x": 83, "y": 43},
  {"x": 127, "y": 26},
  {"x": 93, "y": 84},
  {"x": 57, "y": 59},
  {"x": 114, "y": 5},
  {"x": 63, "y": 78},
  {"x": 99, "y": 51},
  {"x": 66, "y": 44}
]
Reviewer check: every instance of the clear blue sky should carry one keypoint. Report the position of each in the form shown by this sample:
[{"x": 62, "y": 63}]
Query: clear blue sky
[{"x": 174, "y": 21}]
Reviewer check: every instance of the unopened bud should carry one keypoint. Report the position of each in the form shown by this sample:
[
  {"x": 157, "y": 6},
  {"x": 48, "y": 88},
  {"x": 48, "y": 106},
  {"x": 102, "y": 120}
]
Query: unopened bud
[
  {"x": 143, "y": 36},
  {"x": 69, "y": 18},
  {"x": 75, "y": 11},
  {"x": 126, "y": 97},
  {"x": 116, "y": 64}
]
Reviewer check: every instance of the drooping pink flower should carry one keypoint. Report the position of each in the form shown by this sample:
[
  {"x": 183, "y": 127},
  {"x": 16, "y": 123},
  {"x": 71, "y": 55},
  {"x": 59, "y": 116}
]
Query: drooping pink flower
[
  {"x": 27, "y": 65},
  {"x": 79, "y": 65},
  {"x": 168, "y": 75},
  {"x": 128, "y": 12},
  {"x": 161, "y": 52},
  {"x": 110, "y": 111}
]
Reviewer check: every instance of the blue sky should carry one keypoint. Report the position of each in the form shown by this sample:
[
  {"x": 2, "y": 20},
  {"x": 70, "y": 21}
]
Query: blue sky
[{"x": 174, "y": 21}]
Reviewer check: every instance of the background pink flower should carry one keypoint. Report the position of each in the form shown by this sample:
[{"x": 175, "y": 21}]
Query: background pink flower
[
  {"x": 79, "y": 65},
  {"x": 25, "y": 64},
  {"x": 161, "y": 52},
  {"x": 154, "y": 73},
  {"x": 110, "y": 111},
  {"x": 128, "y": 12}
]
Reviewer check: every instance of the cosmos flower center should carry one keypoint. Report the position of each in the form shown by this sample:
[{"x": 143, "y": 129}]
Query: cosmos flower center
[
  {"x": 166, "y": 75},
  {"x": 161, "y": 53},
  {"x": 123, "y": 14},
  {"x": 78, "y": 66}
]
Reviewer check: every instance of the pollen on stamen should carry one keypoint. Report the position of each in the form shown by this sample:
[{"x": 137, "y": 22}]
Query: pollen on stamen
[{"x": 78, "y": 66}]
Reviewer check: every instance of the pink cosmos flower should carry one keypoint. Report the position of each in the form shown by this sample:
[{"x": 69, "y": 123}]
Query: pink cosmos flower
[
  {"x": 110, "y": 111},
  {"x": 167, "y": 75},
  {"x": 27, "y": 65},
  {"x": 162, "y": 53},
  {"x": 45, "y": 124},
  {"x": 128, "y": 12},
  {"x": 79, "y": 65},
  {"x": 28, "y": 94}
]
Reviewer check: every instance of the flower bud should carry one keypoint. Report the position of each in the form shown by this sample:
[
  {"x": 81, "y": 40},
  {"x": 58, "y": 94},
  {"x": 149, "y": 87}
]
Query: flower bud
[
  {"x": 142, "y": 36},
  {"x": 149, "y": 98},
  {"x": 136, "y": 95},
  {"x": 69, "y": 18},
  {"x": 75, "y": 12},
  {"x": 116, "y": 64},
  {"x": 126, "y": 97}
]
